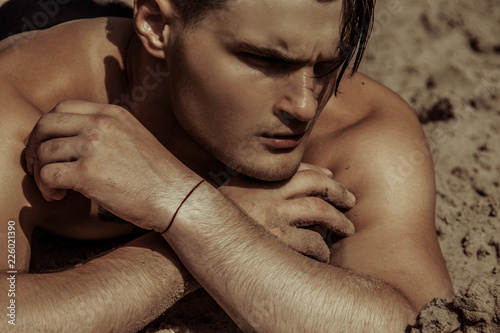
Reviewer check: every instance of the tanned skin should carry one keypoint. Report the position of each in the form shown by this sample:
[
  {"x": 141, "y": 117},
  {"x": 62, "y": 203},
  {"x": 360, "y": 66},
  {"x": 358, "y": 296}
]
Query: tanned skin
[{"x": 240, "y": 241}]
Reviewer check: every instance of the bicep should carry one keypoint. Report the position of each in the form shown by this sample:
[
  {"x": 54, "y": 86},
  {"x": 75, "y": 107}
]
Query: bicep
[{"x": 395, "y": 239}]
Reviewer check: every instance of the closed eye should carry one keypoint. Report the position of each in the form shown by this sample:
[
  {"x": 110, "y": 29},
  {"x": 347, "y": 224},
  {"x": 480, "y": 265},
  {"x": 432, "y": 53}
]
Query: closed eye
[
  {"x": 279, "y": 66},
  {"x": 268, "y": 65},
  {"x": 324, "y": 68},
  {"x": 260, "y": 60}
]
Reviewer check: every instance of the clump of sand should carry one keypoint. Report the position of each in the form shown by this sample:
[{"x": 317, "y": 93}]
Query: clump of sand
[{"x": 474, "y": 309}]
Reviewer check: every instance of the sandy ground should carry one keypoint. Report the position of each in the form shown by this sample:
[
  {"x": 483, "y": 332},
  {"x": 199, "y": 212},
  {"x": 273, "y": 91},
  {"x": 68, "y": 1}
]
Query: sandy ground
[{"x": 443, "y": 58}]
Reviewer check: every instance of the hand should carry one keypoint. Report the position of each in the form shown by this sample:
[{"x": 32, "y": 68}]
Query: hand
[
  {"x": 310, "y": 198},
  {"x": 106, "y": 154}
]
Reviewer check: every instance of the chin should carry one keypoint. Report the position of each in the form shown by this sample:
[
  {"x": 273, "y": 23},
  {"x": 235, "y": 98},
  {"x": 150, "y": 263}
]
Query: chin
[
  {"x": 269, "y": 172},
  {"x": 262, "y": 166}
]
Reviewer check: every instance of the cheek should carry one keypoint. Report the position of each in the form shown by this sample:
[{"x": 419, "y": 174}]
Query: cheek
[{"x": 225, "y": 100}]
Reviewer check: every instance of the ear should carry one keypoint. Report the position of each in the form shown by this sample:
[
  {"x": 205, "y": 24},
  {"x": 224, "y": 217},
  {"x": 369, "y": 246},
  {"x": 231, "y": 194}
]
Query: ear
[{"x": 153, "y": 21}]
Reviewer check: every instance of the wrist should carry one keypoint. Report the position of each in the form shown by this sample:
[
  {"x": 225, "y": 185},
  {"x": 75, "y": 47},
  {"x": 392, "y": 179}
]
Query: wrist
[
  {"x": 180, "y": 205},
  {"x": 192, "y": 216},
  {"x": 174, "y": 190}
]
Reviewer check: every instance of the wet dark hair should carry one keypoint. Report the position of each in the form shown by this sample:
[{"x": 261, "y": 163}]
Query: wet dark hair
[{"x": 357, "y": 23}]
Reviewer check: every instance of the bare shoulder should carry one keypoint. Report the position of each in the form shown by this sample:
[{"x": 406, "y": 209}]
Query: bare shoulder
[
  {"x": 38, "y": 69},
  {"x": 373, "y": 142},
  {"x": 76, "y": 58},
  {"x": 367, "y": 129}
]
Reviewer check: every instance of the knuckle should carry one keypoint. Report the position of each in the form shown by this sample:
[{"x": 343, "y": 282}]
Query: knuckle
[
  {"x": 83, "y": 148},
  {"x": 87, "y": 170},
  {"x": 116, "y": 110},
  {"x": 101, "y": 124},
  {"x": 50, "y": 174},
  {"x": 100, "y": 119},
  {"x": 41, "y": 150},
  {"x": 49, "y": 147},
  {"x": 319, "y": 205},
  {"x": 84, "y": 168},
  {"x": 93, "y": 136},
  {"x": 46, "y": 120}
]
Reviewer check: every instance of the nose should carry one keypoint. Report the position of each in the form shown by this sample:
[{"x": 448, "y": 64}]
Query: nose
[{"x": 298, "y": 99}]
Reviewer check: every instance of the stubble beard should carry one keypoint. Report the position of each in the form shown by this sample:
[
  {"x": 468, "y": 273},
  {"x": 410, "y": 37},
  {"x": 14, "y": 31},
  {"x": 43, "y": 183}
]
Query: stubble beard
[
  {"x": 255, "y": 163},
  {"x": 234, "y": 159}
]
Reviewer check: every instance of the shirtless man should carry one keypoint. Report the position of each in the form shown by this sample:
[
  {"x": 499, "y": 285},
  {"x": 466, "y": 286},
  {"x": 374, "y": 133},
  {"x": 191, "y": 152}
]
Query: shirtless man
[{"x": 216, "y": 89}]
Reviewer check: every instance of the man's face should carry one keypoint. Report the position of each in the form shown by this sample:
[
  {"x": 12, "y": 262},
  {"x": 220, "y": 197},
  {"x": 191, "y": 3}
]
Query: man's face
[{"x": 245, "y": 81}]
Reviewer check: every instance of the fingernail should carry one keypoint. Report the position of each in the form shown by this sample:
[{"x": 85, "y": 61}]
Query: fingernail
[
  {"x": 351, "y": 196},
  {"x": 328, "y": 172}
]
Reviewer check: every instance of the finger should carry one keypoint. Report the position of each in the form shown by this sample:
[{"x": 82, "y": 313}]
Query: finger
[
  {"x": 322, "y": 231},
  {"x": 50, "y": 126},
  {"x": 56, "y": 178},
  {"x": 307, "y": 166},
  {"x": 78, "y": 107},
  {"x": 87, "y": 108},
  {"x": 54, "y": 151},
  {"x": 313, "y": 183},
  {"x": 59, "y": 150},
  {"x": 47, "y": 193},
  {"x": 307, "y": 242},
  {"x": 315, "y": 211},
  {"x": 64, "y": 120}
]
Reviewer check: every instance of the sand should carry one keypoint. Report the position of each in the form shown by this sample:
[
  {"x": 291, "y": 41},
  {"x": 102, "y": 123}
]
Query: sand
[{"x": 443, "y": 58}]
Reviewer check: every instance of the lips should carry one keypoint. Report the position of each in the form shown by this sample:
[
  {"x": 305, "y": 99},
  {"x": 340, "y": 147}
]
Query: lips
[{"x": 282, "y": 140}]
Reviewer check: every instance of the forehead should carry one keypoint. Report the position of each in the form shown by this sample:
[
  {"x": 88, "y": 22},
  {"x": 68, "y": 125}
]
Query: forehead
[{"x": 304, "y": 28}]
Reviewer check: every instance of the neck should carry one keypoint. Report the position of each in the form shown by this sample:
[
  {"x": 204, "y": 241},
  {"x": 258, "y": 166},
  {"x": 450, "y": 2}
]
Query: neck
[{"x": 148, "y": 98}]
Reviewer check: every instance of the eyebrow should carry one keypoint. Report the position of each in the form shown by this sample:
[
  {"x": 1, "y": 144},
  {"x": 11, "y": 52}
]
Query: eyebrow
[
  {"x": 269, "y": 52},
  {"x": 276, "y": 54}
]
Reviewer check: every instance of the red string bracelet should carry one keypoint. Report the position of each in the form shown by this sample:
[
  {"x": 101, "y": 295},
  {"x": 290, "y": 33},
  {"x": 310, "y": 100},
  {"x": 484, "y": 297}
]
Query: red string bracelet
[{"x": 175, "y": 214}]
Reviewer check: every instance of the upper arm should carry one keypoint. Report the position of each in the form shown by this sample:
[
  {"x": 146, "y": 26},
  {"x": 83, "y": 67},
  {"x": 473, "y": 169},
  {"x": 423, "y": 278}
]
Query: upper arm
[
  {"x": 390, "y": 171},
  {"x": 17, "y": 119}
]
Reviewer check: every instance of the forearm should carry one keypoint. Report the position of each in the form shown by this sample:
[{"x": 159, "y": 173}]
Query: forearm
[
  {"x": 267, "y": 287},
  {"x": 119, "y": 292}
]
